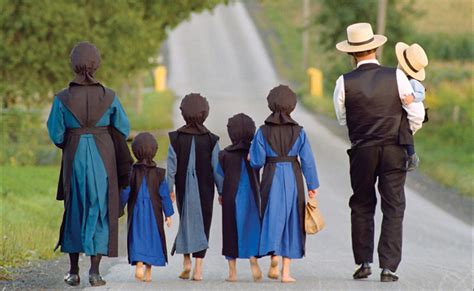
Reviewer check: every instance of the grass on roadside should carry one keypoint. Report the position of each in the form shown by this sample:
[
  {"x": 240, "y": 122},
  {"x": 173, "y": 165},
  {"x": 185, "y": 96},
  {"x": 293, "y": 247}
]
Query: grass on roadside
[{"x": 29, "y": 213}]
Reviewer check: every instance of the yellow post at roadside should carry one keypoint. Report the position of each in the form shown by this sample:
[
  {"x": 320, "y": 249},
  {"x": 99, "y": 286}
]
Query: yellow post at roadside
[
  {"x": 160, "y": 78},
  {"x": 315, "y": 82}
]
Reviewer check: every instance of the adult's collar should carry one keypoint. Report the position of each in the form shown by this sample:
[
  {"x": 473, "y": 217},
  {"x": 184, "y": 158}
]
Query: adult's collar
[{"x": 372, "y": 61}]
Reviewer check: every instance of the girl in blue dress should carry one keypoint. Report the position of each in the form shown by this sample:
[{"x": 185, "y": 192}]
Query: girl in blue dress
[
  {"x": 282, "y": 148},
  {"x": 147, "y": 199},
  {"x": 240, "y": 198}
]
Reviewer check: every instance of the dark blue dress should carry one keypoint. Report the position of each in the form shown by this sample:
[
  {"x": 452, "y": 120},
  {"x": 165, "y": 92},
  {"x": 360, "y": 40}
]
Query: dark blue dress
[{"x": 145, "y": 244}]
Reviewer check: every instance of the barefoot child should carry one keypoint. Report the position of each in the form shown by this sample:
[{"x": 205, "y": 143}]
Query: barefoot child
[
  {"x": 276, "y": 146},
  {"x": 147, "y": 198},
  {"x": 412, "y": 60},
  {"x": 192, "y": 168},
  {"x": 240, "y": 198}
]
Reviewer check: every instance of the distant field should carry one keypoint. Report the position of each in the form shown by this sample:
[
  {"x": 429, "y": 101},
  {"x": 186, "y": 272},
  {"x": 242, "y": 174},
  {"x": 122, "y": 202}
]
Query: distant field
[{"x": 446, "y": 16}]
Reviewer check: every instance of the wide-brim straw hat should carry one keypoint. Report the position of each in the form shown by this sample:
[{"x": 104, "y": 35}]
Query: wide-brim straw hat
[
  {"x": 360, "y": 38},
  {"x": 412, "y": 59}
]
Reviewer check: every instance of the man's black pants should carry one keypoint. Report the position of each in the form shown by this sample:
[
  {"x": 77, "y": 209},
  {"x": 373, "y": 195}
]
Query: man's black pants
[{"x": 387, "y": 165}]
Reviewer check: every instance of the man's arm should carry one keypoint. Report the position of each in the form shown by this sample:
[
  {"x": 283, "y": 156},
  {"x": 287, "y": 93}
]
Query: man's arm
[
  {"x": 339, "y": 101},
  {"x": 415, "y": 110}
]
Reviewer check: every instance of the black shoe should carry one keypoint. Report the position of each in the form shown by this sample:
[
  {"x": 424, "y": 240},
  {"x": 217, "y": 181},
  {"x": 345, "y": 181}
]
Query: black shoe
[
  {"x": 96, "y": 280},
  {"x": 413, "y": 162},
  {"x": 72, "y": 279},
  {"x": 362, "y": 272},
  {"x": 388, "y": 276}
]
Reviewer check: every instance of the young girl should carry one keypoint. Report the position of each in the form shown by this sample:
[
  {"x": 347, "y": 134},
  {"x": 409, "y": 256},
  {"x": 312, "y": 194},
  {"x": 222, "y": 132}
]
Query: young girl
[
  {"x": 277, "y": 145},
  {"x": 192, "y": 168},
  {"x": 147, "y": 198},
  {"x": 412, "y": 60},
  {"x": 240, "y": 198}
]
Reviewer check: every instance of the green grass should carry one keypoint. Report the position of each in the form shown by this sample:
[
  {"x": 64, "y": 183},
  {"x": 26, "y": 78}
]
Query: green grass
[
  {"x": 156, "y": 117},
  {"x": 445, "y": 144},
  {"x": 30, "y": 214}
]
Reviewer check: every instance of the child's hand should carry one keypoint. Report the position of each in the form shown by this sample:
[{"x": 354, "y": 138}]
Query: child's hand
[
  {"x": 220, "y": 199},
  {"x": 312, "y": 193},
  {"x": 248, "y": 157},
  {"x": 168, "y": 221},
  {"x": 408, "y": 99},
  {"x": 173, "y": 197}
]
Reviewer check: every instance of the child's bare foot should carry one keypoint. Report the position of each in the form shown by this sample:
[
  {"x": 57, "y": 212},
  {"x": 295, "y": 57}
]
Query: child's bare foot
[
  {"x": 256, "y": 272},
  {"x": 273, "y": 272},
  {"x": 148, "y": 273},
  {"x": 197, "y": 274},
  {"x": 185, "y": 274},
  {"x": 232, "y": 271},
  {"x": 139, "y": 272},
  {"x": 287, "y": 279}
]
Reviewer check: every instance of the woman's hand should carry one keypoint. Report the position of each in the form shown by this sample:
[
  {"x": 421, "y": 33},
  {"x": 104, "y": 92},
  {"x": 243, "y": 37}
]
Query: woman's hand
[
  {"x": 312, "y": 193},
  {"x": 248, "y": 157},
  {"x": 168, "y": 221},
  {"x": 173, "y": 197}
]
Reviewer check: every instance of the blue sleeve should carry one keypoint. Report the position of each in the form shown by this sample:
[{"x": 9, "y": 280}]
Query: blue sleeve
[
  {"x": 171, "y": 168},
  {"x": 308, "y": 164},
  {"x": 119, "y": 118},
  {"x": 218, "y": 179},
  {"x": 418, "y": 90},
  {"x": 165, "y": 199},
  {"x": 124, "y": 195},
  {"x": 56, "y": 124},
  {"x": 257, "y": 151}
]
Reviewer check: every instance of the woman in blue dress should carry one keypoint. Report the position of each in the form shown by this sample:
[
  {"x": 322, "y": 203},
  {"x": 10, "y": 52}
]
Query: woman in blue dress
[
  {"x": 87, "y": 122},
  {"x": 148, "y": 199},
  {"x": 277, "y": 146},
  {"x": 240, "y": 198}
]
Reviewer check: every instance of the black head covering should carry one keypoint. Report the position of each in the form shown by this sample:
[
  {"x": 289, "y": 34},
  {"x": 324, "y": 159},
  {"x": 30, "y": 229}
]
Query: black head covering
[
  {"x": 241, "y": 129},
  {"x": 144, "y": 147},
  {"x": 194, "y": 109},
  {"x": 281, "y": 101},
  {"x": 85, "y": 60}
]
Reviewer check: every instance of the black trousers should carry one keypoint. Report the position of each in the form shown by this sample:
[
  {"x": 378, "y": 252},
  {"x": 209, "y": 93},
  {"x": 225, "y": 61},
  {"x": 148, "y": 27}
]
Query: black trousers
[{"x": 385, "y": 165}]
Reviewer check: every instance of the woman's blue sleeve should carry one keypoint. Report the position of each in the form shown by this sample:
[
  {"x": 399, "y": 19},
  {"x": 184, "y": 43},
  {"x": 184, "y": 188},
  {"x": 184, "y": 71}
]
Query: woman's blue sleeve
[
  {"x": 257, "y": 151},
  {"x": 119, "y": 118},
  {"x": 308, "y": 164},
  {"x": 56, "y": 124}
]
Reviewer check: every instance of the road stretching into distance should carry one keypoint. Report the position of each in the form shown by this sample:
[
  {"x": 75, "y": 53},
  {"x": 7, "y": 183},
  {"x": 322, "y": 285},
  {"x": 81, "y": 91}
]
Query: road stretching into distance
[{"x": 220, "y": 55}]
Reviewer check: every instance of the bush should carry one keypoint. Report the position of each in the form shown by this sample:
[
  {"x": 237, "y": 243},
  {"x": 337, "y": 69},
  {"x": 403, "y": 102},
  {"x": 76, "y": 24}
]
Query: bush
[
  {"x": 25, "y": 139},
  {"x": 442, "y": 46}
]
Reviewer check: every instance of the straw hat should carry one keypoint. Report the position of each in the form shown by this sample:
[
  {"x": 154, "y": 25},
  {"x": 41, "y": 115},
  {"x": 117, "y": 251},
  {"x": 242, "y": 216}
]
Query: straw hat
[
  {"x": 412, "y": 59},
  {"x": 360, "y": 37}
]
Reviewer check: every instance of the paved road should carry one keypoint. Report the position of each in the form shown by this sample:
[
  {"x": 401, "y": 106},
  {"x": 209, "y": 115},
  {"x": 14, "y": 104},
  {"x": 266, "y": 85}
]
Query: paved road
[{"x": 220, "y": 55}]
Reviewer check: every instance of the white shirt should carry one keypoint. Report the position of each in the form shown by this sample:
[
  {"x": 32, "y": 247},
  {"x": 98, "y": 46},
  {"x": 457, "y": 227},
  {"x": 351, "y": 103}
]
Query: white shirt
[{"x": 415, "y": 111}]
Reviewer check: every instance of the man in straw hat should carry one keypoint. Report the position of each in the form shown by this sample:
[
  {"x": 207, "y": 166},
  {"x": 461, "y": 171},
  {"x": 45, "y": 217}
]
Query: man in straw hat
[{"x": 368, "y": 100}]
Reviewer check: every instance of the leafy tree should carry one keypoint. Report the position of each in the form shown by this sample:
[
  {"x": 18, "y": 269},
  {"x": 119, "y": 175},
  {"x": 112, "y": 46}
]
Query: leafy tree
[{"x": 37, "y": 36}]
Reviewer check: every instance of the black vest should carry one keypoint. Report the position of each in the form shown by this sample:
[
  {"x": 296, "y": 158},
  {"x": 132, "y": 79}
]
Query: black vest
[{"x": 373, "y": 107}]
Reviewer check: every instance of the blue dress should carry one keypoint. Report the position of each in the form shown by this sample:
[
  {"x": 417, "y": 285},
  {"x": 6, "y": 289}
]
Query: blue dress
[
  {"x": 247, "y": 217},
  {"x": 86, "y": 227},
  {"x": 145, "y": 244},
  {"x": 281, "y": 231}
]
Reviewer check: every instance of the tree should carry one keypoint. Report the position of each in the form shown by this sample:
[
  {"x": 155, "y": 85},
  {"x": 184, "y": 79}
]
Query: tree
[{"x": 37, "y": 37}]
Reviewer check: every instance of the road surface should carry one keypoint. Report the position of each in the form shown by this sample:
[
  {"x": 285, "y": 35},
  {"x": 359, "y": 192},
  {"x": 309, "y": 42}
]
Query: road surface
[{"x": 221, "y": 56}]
